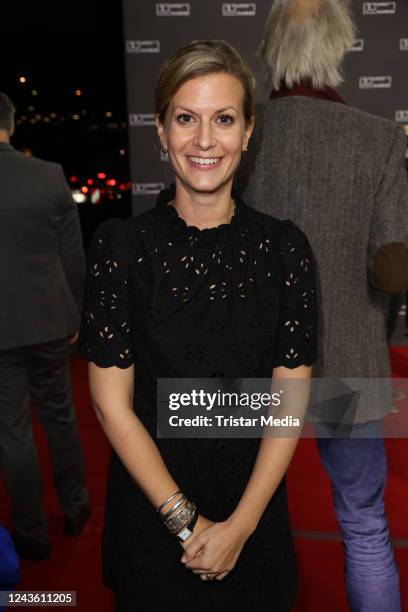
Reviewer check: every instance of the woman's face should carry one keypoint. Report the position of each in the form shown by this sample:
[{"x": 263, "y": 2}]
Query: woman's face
[{"x": 205, "y": 132}]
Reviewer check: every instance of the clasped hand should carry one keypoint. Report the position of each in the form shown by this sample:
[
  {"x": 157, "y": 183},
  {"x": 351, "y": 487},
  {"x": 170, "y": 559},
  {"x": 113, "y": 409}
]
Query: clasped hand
[{"x": 215, "y": 549}]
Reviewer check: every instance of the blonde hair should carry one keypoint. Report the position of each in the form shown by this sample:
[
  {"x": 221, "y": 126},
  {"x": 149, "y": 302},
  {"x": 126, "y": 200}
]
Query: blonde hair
[
  {"x": 198, "y": 59},
  {"x": 302, "y": 44}
]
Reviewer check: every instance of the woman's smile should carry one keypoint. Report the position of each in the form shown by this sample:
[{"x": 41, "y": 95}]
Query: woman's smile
[{"x": 204, "y": 163}]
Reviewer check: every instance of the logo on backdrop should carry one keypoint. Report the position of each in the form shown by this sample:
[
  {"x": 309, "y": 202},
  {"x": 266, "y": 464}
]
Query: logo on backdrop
[
  {"x": 140, "y": 119},
  {"x": 375, "y": 82},
  {"x": 358, "y": 45},
  {"x": 404, "y": 44},
  {"x": 173, "y": 9},
  {"x": 143, "y": 46},
  {"x": 142, "y": 189},
  {"x": 379, "y": 8},
  {"x": 401, "y": 116},
  {"x": 239, "y": 9}
]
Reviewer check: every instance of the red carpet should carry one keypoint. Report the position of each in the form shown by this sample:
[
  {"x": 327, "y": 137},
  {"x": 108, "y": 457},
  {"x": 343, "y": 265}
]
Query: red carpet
[{"x": 75, "y": 562}]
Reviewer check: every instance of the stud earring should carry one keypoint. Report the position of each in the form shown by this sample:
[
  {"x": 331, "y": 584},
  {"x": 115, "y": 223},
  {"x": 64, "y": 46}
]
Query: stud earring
[{"x": 164, "y": 149}]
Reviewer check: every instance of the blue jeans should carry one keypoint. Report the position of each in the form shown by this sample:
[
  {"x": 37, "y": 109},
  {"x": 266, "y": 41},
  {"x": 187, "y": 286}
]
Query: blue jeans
[{"x": 357, "y": 469}]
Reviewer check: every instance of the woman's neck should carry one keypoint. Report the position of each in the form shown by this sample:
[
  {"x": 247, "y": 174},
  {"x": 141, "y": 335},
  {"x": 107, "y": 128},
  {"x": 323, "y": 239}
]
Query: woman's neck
[{"x": 204, "y": 210}]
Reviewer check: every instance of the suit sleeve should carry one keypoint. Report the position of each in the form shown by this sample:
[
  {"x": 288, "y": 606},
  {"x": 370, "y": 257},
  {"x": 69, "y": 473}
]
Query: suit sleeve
[
  {"x": 388, "y": 244},
  {"x": 70, "y": 241}
]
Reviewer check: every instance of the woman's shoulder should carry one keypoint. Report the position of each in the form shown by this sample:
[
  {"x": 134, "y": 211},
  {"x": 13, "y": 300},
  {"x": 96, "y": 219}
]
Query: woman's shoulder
[
  {"x": 124, "y": 233},
  {"x": 282, "y": 232}
]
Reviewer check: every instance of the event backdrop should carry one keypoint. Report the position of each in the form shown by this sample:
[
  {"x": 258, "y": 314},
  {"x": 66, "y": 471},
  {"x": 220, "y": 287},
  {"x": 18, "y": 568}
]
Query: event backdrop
[{"x": 375, "y": 71}]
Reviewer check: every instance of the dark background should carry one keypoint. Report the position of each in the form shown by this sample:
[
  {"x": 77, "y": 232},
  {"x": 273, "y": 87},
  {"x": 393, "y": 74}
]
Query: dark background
[
  {"x": 74, "y": 45},
  {"x": 61, "y": 48}
]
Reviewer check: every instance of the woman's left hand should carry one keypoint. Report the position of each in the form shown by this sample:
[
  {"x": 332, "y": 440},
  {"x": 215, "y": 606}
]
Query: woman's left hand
[{"x": 216, "y": 549}]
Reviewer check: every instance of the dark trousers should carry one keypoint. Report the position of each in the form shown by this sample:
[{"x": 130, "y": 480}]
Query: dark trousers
[{"x": 42, "y": 373}]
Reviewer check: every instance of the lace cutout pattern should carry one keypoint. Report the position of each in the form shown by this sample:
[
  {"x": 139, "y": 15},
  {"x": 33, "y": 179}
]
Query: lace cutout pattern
[{"x": 105, "y": 336}]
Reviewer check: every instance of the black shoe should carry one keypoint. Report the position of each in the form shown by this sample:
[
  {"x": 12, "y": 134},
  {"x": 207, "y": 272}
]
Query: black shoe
[
  {"x": 31, "y": 550},
  {"x": 74, "y": 525}
]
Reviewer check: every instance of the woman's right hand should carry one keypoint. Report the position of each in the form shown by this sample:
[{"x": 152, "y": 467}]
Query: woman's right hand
[{"x": 201, "y": 524}]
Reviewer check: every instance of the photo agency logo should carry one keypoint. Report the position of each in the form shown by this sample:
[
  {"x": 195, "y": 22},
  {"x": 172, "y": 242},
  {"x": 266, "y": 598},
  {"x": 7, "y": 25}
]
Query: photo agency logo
[
  {"x": 404, "y": 44},
  {"x": 143, "y": 46},
  {"x": 358, "y": 45},
  {"x": 379, "y": 8},
  {"x": 141, "y": 119},
  {"x": 401, "y": 116},
  {"x": 375, "y": 82},
  {"x": 239, "y": 9},
  {"x": 173, "y": 9},
  {"x": 142, "y": 189}
]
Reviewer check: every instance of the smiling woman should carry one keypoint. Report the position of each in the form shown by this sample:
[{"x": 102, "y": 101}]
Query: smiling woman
[
  {"x": 205, "y": 133},
  {"x": 201, "y": 286},
  {"x": 205, "y": 117}
]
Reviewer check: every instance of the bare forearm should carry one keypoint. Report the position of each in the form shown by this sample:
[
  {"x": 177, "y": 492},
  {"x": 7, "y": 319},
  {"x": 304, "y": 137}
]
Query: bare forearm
[
  {"x": 274, "y": 457},
  {"x": 139, "y": 454},
  {"x": 275, "y": 453}
]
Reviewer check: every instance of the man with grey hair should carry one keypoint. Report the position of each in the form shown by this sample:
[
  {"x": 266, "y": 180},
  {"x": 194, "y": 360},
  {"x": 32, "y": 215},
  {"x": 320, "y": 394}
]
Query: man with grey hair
[
  {"x": 339, "y": 174},
  {"x": 41, "y": 284}
]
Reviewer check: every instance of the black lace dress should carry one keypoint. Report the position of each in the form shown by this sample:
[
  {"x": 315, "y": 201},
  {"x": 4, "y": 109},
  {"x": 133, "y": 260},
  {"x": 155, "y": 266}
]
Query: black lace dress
[{"x": 232, "y": 301}]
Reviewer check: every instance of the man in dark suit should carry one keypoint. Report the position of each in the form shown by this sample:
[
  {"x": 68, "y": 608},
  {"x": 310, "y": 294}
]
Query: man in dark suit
[{"x": 41, "y": 278}]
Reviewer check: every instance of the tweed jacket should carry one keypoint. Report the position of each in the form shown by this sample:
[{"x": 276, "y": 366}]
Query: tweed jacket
[
  {"x": 339, "y": 174},
  {"x": 42, "y": 263}
]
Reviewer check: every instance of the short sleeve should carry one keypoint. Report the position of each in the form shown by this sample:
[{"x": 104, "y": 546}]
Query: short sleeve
[
  {"x": 106, "y": 330},
  {"x": 296, "y": 340}
]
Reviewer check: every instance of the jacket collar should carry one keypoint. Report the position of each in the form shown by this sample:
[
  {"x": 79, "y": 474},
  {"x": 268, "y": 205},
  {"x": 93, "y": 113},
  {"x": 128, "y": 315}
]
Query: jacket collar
[
  {"x": 305, "y": 88},
  {"x": 5, "y": 146}
]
